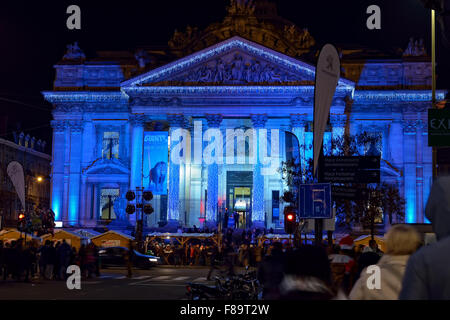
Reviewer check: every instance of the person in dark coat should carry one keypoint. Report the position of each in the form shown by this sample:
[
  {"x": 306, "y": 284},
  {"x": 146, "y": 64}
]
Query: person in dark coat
[
  {"x": 370, "y": 256},
  {"x": 307, "y": 275},
  {"x": 271, "y": 272},
  {"x": 427, "y": 275},
  {"x": 51, "y": 261},
  {"x": 214, "y": 256},
  {"x": 64, "y": 253}
]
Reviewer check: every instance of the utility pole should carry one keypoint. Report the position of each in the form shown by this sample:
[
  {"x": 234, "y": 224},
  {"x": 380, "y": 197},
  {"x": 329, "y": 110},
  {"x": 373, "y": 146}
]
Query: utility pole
[{"x": 433, "y": 88}]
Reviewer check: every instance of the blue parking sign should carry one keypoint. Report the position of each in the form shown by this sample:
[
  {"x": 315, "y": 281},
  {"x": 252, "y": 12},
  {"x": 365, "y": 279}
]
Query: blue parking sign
[{"x": 315, "y": 201}]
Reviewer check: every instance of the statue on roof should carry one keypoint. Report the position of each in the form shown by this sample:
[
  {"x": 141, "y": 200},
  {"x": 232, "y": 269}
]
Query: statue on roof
[
  {"x": 74, "y": 52},
  {"x": 241, "y": 7},
  {"x": 142, "y": 58},
  {"x": 416, "y": 48}
]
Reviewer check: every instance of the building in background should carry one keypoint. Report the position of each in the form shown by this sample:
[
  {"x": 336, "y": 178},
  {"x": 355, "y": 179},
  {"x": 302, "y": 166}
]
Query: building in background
[
  {"x": 115, "y": 117},
  {"x": 30, "y": 153}
]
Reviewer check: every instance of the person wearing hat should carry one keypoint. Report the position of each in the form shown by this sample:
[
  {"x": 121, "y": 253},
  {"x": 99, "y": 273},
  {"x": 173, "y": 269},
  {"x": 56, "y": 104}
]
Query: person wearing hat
[{"x": 343, "y": 265}]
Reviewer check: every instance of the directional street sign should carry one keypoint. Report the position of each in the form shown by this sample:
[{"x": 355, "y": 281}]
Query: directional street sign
[
  {"x": 438, "y": 128},
  {"x": 359, "y": 169},
  {"x": 315, "y": 201},
  {"x": 348, "y": 193}
]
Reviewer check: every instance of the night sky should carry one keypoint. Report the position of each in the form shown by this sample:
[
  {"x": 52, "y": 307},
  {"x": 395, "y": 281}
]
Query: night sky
[{"x": 33, "y": 37}]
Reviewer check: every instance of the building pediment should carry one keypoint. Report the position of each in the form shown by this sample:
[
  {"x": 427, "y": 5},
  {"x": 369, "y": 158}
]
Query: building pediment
[
  {"x": 106, "y": 167},
  {"x": 235, "y": 61}
]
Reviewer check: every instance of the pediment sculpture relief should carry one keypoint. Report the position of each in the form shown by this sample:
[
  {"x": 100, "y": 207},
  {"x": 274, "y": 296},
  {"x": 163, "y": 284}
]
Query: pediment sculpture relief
[{"x": 236, "y": 69}]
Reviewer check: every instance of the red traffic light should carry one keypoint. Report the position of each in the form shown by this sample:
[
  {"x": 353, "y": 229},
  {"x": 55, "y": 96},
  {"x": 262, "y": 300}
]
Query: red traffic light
[
  {"x": 21, "y": 216},
  {"x": 290, "y": 217}
]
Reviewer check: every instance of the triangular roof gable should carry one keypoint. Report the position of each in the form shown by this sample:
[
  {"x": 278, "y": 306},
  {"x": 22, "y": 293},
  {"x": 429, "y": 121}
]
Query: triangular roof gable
[
  {"x": 68, "y": 232},
  {"x": 113, "y": 231},
  {"x": 289, "y": 64}
]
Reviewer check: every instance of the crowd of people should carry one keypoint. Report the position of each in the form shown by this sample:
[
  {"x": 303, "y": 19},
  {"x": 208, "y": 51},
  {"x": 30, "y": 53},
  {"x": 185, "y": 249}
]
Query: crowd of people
[
  {"x": 22, "y": 261},
  {"x": 407, "y": 269},
  {"x": 242, "y": 244}
]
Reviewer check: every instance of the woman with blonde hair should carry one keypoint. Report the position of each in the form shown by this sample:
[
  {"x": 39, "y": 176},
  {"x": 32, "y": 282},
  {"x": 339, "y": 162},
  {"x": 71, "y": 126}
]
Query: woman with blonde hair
[{"x": 401, "y": 242}]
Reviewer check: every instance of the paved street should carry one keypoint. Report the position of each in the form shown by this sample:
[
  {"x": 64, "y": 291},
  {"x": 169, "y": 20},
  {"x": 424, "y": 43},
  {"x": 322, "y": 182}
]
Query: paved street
[{"x": 161, "y": 282}]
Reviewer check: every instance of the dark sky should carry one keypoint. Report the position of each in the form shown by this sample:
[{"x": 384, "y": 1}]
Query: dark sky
[{"x": 33, "y": 37}]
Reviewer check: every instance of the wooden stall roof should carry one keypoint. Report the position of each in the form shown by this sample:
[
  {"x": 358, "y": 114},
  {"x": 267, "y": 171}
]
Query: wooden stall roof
[
  {"x": 113, "y": 232},
  {"x": 87, "y": 233},
  {"x": 67, "y": 232},
  {"x": 9, "y": 234}
]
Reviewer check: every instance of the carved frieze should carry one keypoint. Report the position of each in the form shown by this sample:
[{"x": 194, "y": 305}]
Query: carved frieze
[{"x": 236, "y": 68}]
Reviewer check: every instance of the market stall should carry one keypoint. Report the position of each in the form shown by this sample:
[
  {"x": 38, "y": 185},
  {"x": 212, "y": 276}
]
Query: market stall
[
  {"x": 73, "y": 239},
  {"x": 364, "y": 240},
  {"x": 112, "y": 238},
  {"x": 13, "y": 235}
]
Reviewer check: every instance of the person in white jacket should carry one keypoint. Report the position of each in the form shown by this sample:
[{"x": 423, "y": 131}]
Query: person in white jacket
[{"x": 401, "y": 242}]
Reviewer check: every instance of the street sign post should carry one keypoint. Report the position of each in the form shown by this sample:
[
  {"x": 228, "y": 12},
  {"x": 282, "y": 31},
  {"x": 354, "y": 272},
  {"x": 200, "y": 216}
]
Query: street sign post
[
  {"x": 347, "y": 169},
  {"x": 439, "y": 127},
  {"x": 315, "y": 201}
]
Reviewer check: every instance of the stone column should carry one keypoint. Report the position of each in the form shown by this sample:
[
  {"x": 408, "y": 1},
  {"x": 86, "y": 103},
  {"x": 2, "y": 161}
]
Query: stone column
[
  {"x": 427, "y": 166},
  {"x": 298, "y": 125},
  {"x": 137, "y": 144},
  {"x": 409, "y": 148},
  {"x": 76, "y": 145},
  {"x": 258, "y": 210},
  {"x": 419, "y": 172},
  {"x": 176, "y": 121},
  {"x": 214, "y": 121},
  {"x": 57, "y": 178},
  {"x": 83, "y": 201},
  {"x": 396, "y": 143},
  {"x": 338, "y": 122}
]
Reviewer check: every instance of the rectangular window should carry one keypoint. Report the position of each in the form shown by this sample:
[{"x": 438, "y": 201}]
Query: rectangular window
[
  {"x": 275, "y": 206},
  {"x": 110, "y": 146},
  {"x": 107, "y": 198}
]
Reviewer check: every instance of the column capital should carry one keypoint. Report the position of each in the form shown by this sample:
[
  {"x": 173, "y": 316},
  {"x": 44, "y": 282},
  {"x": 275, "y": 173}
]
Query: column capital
[
  {"x": 214, "y": 120},
  {"x": 259, "y": 120},
  {"x": 410, "y": 126},
  {"x": 338, "y": 120},
  {"x": 75, "y": 125},
  {"x": 138, "y": 120},
  {"x": 58, "y": 125},
  {"x": 176, "y": 120},
  {"x": 298, "y": 120}
]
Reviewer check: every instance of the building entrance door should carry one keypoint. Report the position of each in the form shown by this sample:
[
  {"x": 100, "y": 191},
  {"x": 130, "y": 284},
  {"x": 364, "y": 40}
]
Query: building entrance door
[
  {"x": 239, "y": 199},
  {"x": 241, "y": 207}
]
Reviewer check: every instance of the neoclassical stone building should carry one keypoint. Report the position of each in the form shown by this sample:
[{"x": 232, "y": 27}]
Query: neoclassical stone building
[{"x": 252, "y": 70}]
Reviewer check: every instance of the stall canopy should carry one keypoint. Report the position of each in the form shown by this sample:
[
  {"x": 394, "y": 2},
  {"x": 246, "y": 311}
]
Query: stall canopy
[
  {"x": 364, "y": 240},
  {"x": 12, "y": 235},
  {"x": 112, "y": 238},
  {"x": 72, "y": 238}
]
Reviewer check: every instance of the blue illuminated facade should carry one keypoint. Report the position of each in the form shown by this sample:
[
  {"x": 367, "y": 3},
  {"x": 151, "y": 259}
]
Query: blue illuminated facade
[{"x": 236, "y": 83}]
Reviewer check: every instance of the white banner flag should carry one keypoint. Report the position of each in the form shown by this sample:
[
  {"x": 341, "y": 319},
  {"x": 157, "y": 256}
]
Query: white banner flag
[
  {"x": 15, "y": 172},
  {"x": 327, "y": 75}
]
